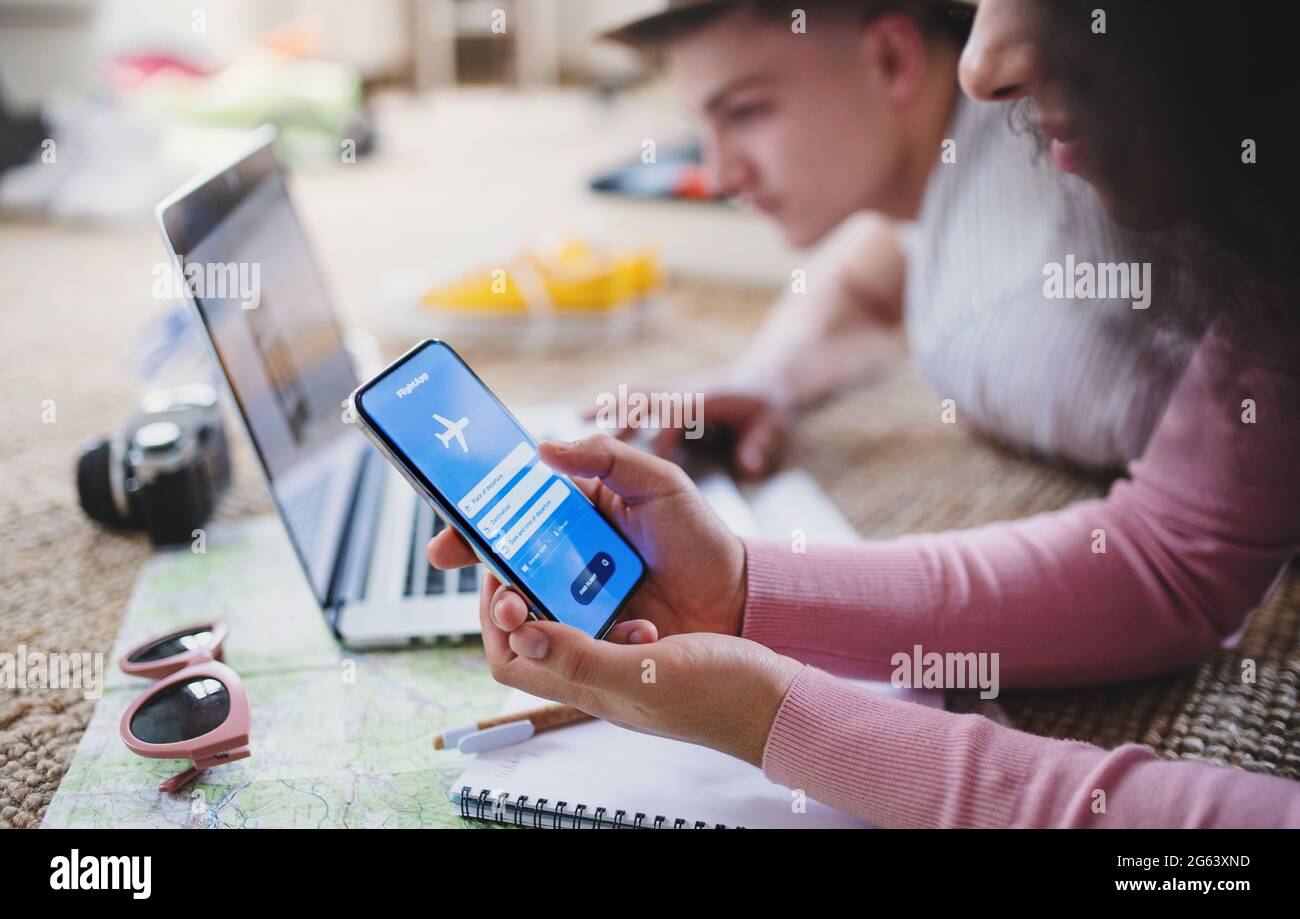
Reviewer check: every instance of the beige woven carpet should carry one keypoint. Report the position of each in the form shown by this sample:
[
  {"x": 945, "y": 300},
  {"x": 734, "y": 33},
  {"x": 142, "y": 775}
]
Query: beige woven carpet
[{"x": 881, "y": 454}]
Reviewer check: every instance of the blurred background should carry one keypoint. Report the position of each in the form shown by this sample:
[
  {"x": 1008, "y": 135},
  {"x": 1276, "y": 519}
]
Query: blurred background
[
  {"x": 429, "y": 143},
  {"x": 479, "y": 125}
]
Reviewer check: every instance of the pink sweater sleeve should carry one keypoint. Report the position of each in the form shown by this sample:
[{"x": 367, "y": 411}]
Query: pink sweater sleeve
[
  {"x": 1192, "y": 543},
  {"x": 899, "y": 764}
]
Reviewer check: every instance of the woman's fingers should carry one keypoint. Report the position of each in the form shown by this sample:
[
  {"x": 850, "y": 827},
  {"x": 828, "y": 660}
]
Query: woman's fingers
[
  {"x": 575, "y": 660},
  {"x": 449, "y": 550},
  {"x": 508, "y": 609},
  {"x": 496, "y": 641},
  {"x": 626, "y": 470},
  {"x": 589, "y": 487},
  {"x": 633, "y": 632}
]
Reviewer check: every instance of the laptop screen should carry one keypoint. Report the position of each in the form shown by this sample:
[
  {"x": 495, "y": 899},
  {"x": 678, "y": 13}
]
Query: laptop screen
[{"x": 249, "y": 269}]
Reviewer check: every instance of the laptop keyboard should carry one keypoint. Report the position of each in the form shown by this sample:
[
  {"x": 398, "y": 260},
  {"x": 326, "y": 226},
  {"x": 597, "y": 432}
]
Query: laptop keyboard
[
  {"x": 423, "y": 578},
  {"x": 303, "y": 513}
]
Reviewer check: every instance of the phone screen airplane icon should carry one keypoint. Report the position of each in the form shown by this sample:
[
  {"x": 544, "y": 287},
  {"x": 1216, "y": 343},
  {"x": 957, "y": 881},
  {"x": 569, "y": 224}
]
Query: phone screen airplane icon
[{"x": 455, "y": 429}]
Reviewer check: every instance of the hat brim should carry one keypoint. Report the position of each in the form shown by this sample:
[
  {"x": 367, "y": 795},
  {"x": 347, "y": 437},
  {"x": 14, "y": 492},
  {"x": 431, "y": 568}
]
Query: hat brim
[{"x": 633, "y": 33}]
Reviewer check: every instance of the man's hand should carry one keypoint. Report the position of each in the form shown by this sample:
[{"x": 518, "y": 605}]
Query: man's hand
[{"x": 751, "y": 418}]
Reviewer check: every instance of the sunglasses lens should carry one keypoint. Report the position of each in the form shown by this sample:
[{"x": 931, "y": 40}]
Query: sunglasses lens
[
  {"x": 182, "y": 712},
  {"x": 172, "y": 645}
]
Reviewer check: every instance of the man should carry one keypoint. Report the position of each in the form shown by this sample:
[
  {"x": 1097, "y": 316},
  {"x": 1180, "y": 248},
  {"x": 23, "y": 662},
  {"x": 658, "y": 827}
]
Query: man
[{"x": 817, "y": 111}]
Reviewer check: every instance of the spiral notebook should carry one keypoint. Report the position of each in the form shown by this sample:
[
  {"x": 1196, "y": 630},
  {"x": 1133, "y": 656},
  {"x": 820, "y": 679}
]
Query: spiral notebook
[{"x": 595, "y": 775}]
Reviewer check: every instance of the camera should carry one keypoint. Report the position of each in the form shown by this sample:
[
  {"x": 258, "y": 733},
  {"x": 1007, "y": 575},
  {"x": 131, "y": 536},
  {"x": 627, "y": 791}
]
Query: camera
[{"x": 164, "y": 472}]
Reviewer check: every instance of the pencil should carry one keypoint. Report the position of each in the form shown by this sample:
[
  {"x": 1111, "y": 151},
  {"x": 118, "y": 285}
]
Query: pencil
[{"x": 545, "y": 718}]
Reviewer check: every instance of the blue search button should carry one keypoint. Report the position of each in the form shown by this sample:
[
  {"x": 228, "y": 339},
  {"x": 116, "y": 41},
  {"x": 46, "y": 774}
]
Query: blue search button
[{"x": 592, "y": 578}]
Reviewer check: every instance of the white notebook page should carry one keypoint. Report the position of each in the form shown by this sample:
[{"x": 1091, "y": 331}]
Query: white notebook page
[{"x": 601, "y": 765}]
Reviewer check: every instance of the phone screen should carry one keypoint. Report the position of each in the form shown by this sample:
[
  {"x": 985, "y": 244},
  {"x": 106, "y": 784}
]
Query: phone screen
[{"x": 450, "y": 431}]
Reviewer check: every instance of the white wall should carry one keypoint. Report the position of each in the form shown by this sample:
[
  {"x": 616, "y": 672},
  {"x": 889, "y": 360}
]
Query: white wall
[{"x": 51, "y": 46}]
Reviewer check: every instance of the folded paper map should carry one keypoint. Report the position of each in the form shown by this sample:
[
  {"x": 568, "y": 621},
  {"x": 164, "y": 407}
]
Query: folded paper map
[{"x": 338, "y": 739}]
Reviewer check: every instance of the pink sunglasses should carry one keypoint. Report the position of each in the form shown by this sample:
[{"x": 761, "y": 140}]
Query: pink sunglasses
[{"x": 200, "y": 709}]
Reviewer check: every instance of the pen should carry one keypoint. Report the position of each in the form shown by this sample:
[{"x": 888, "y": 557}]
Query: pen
[{"x": 503, "y": 730}]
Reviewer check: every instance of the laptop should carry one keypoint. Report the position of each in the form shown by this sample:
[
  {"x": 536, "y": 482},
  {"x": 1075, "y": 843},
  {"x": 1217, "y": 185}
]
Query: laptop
[{"x": 358, "y": 529}]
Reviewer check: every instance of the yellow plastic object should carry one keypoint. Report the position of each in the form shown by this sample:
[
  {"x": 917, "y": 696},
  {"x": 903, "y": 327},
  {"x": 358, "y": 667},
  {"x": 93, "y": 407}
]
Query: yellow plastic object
[
  {"x": 572, "y": 277},
  {"x": 478, "y": 291}
]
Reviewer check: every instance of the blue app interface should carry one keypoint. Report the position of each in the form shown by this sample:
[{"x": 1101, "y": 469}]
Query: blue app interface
[{"x": 546, "y": 533}]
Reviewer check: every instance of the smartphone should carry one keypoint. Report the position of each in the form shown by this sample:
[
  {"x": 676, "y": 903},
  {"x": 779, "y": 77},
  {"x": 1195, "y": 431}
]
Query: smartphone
[{"x": 458, "y": 446}]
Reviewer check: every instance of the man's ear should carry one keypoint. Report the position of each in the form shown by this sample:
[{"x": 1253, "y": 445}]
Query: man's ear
[{"x": 899, "y": 56}]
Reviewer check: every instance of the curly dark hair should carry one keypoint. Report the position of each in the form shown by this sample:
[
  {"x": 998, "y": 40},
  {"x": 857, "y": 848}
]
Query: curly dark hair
[{"x": 1189, "y": 104}]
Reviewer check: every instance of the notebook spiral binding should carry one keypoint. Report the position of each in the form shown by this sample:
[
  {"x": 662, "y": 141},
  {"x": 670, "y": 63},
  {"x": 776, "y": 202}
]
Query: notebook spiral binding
[{"x": 482, "y": 805}]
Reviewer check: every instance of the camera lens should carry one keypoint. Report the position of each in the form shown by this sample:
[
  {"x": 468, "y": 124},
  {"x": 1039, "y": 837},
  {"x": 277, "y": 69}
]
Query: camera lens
[
  {"x": 160, "y": 435},
  {"x": 94, "y": 489}
]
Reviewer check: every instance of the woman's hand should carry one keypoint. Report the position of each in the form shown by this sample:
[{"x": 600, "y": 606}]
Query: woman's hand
[
  {"x": 715, "y": 690},
  {"x": 696, "y": 566}
]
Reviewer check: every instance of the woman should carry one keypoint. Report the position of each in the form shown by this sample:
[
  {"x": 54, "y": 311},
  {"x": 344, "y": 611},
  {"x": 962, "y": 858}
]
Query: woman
[{"x": 1194, "y": 538}]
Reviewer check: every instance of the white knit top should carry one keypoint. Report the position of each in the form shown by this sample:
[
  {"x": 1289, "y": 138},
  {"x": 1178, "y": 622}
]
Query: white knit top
[{"x": 1081, "y": 379}]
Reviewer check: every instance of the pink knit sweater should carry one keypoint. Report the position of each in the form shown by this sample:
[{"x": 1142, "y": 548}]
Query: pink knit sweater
[{"x": 1193, "y": 540}]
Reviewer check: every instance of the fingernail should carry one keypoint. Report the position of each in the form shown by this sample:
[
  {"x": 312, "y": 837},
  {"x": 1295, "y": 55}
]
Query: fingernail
[
  {"x": 635, "y": 636},
  {"x": 532, "y": 643},
  {"x": 493, "y": 614}
]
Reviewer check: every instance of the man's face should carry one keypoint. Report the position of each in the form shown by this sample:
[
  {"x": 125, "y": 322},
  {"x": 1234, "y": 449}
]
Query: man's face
[{"x": 796, "y": 124}]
